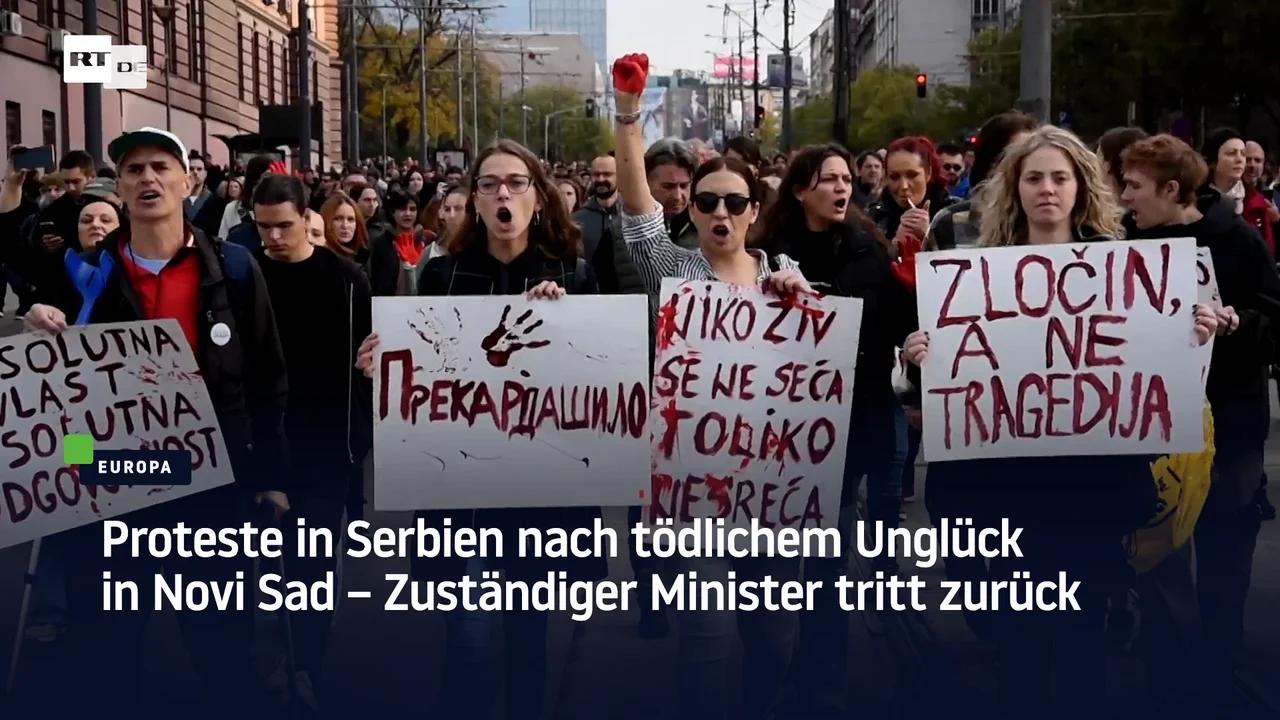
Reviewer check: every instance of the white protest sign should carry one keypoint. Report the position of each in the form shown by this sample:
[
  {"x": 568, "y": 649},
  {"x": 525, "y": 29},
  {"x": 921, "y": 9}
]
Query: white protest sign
[
  {"x": 131, "y": 386},
  {"x": 1209, "y": 296},
  {"x": 499, "y": 401},
  {"x": 751, "y": 403},
  {"x": 1081, "y": 349}
]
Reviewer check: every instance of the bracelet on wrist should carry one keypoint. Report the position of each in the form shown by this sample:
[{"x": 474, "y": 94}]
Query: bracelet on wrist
[{"x": 627, "y": 118}]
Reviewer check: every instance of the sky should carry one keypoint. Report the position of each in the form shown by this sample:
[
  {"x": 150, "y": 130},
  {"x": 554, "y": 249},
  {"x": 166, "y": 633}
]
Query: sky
[{"x": 672, "y": 32}]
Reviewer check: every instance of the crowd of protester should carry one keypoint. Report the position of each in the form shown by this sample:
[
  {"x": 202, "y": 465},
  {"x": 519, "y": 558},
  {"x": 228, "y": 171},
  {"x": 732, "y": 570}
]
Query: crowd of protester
[{"x": 292, "y": 261}]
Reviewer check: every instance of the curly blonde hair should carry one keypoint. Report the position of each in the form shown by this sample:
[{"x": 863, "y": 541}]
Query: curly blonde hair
[{"x": 1004, "y": 222}]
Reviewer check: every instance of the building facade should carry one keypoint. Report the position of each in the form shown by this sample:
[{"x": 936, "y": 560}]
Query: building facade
[
  {"x": 932, "y": 35},
  {"x": 585, "y": 18},
  {"x": 822, "y": 56},
  {"x": 548, "y": 59},
  {"x": 225, "y": 59}
]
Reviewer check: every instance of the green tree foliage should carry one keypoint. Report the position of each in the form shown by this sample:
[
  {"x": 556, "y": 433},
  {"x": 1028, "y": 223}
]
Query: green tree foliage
[{"x": 389, "y": 58}]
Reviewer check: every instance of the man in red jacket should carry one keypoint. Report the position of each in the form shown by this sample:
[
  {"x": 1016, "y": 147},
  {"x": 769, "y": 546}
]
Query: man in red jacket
[{"x": 1259, "y": 212}]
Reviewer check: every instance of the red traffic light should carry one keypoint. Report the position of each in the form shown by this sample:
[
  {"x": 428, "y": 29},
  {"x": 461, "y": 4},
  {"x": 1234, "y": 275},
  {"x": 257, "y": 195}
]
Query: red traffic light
[{"x": 922, "y": 79}]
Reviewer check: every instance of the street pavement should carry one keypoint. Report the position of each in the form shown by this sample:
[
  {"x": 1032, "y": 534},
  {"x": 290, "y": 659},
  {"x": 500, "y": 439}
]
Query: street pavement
[{"x": 389, "y": 665}]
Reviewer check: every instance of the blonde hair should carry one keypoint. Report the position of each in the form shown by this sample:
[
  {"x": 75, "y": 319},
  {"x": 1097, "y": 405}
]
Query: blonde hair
[{"x": 1004, "y": 222}]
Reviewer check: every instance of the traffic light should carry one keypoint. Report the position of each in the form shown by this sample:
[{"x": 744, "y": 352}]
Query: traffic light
[
  {"x": 759, "y": 115},
  {"x": 922, "y": 85},
  {"x": 591, "y": 108}
]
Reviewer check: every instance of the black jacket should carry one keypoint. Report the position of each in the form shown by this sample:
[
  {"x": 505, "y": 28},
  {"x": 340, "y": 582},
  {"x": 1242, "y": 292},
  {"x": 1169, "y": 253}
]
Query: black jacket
[
  {"x": 209, "y": 215},
  {"x": 45, "y": 268},
  {"x": 887, "y": 213},
  {"x": 246, "y": 377},
  {"x": 329, "y": 422},
  {"x": 602, "y": 242},
  {"x": 381, "y": 262},
  {"x": 476, "y": 272},
  {"x": 1247, "y": 280}
]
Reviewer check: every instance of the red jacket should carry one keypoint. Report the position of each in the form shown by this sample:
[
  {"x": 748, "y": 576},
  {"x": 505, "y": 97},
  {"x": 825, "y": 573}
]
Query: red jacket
[{"x": 1255, "y": 213}]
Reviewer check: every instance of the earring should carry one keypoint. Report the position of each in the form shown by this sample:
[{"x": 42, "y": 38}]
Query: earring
[{"x": 537, "y": 217}]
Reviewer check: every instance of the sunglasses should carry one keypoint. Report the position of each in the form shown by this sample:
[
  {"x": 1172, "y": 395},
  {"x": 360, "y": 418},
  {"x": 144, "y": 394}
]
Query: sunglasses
[
  {"x": 707, "y": 202},
  {"x": 956, "y": 168}
]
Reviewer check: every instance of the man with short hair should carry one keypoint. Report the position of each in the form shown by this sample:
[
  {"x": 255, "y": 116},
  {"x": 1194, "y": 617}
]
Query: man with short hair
[
  {"x": 669, "y": 165},
  {"x": 203, "y": 208},
  {"x": 48, "y": 234},
  {"x": 1161, "y": 176},
  {"x": 323, "y": 310},
  {"x": 953, "y": 172},
  {"x": 1259, "y": 210},
  {"x": 241, "y": 229},
  {"x": 158, "y": 267},
  {"x": 353, "y": 178},
  {"x": 602, "y": 231}
]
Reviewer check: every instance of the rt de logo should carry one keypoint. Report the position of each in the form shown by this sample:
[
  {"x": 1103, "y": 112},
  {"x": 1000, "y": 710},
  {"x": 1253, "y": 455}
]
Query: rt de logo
[
  {"x": 93, "y": 59},
  {"x": 125, "y": 467}
]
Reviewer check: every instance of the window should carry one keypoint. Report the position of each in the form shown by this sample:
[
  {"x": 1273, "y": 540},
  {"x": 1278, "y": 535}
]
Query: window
[
  {"x": 49, "y": 127},
  {"x": 192, "y": 37},
  {"x": 271, "y": 70},
  {"x": 44, "y": 12},
  {"x": 240, "y": 86},
  {"x": 171, "y": 45},
  {"x": 257, "y": 67},
  {"x": 148, "y": 21},
  {"x": 12, "y": 123},
  {"x": 315, "y": 82}
]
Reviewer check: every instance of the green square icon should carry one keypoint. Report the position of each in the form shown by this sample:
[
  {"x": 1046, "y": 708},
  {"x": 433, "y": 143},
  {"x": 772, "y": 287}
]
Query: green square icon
[{"x": 77, "y": 449}]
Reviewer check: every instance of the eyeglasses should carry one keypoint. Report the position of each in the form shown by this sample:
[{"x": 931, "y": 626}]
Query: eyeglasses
[
  {"x": 516, "y": 184},
  {"x": 735, "y": 203},
  {"x": 954, "y": 168}
]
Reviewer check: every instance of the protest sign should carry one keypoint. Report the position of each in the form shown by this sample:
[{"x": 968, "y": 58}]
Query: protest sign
[
  {"x": 751, "y": 396},
  {"x": 499, "y": 401},
  {"x": 1081, "y": 349},
  {"x": 1207, "y": 294},
  {"x": 131, "y": 386}
]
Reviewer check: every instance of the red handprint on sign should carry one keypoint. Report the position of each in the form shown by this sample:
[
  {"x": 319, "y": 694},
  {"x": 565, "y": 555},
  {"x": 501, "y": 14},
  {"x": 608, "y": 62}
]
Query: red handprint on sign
[{"x": 503, "y": 341}]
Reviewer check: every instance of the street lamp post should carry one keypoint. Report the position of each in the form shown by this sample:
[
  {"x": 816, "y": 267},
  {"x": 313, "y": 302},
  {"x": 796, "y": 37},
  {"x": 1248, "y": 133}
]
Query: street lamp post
[
  {"x": 165, "y": 14},
  {"x": 546, "y": 131},
  {"x": 384, "y": 77}
]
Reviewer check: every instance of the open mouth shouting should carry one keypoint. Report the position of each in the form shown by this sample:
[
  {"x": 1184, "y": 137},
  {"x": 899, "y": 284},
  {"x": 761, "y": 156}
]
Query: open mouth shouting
[
  {"x": 148, "y": 196},
  {"x": 504, "y": 215},
  {"x": 721, "y": 233}
]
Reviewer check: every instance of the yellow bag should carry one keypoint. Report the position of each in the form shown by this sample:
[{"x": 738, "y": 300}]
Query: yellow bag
[{"x": 1182, "y": 484}]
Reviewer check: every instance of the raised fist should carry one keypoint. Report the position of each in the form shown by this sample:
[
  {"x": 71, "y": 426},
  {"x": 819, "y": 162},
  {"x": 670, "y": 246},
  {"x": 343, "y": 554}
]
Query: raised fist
[{"x": 630, "y": 72}]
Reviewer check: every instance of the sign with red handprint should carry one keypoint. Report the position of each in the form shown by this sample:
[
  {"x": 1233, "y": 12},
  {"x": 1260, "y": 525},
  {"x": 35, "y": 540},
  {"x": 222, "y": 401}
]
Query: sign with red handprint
[{"x": 508, "y": 402}]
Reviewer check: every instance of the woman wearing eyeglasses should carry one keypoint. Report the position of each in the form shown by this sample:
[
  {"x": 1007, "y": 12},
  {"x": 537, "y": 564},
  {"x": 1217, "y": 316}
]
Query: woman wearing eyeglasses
[
  {"x": 515, "y": 238},
  {"x": 725, "y": 204}
]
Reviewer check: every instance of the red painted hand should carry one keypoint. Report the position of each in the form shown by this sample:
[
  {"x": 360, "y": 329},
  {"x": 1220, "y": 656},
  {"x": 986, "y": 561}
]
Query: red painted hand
[
  {"x": 630, "y": 72},
  {"x": 905, "y": 267}
]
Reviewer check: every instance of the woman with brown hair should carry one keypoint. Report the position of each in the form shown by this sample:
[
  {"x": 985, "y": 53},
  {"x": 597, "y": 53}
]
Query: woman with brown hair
[
  {"x": 515, "y": 238},
  {"x": 347, "y": 235}
]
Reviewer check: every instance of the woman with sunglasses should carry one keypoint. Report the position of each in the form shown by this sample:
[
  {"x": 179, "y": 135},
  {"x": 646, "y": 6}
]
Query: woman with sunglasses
[
  {"x": 725, "y": 204},
  {"x": 515, "y": 238}
]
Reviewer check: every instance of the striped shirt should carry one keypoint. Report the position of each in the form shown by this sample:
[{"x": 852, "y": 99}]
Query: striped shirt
[{"x": 656, "y": 257}]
